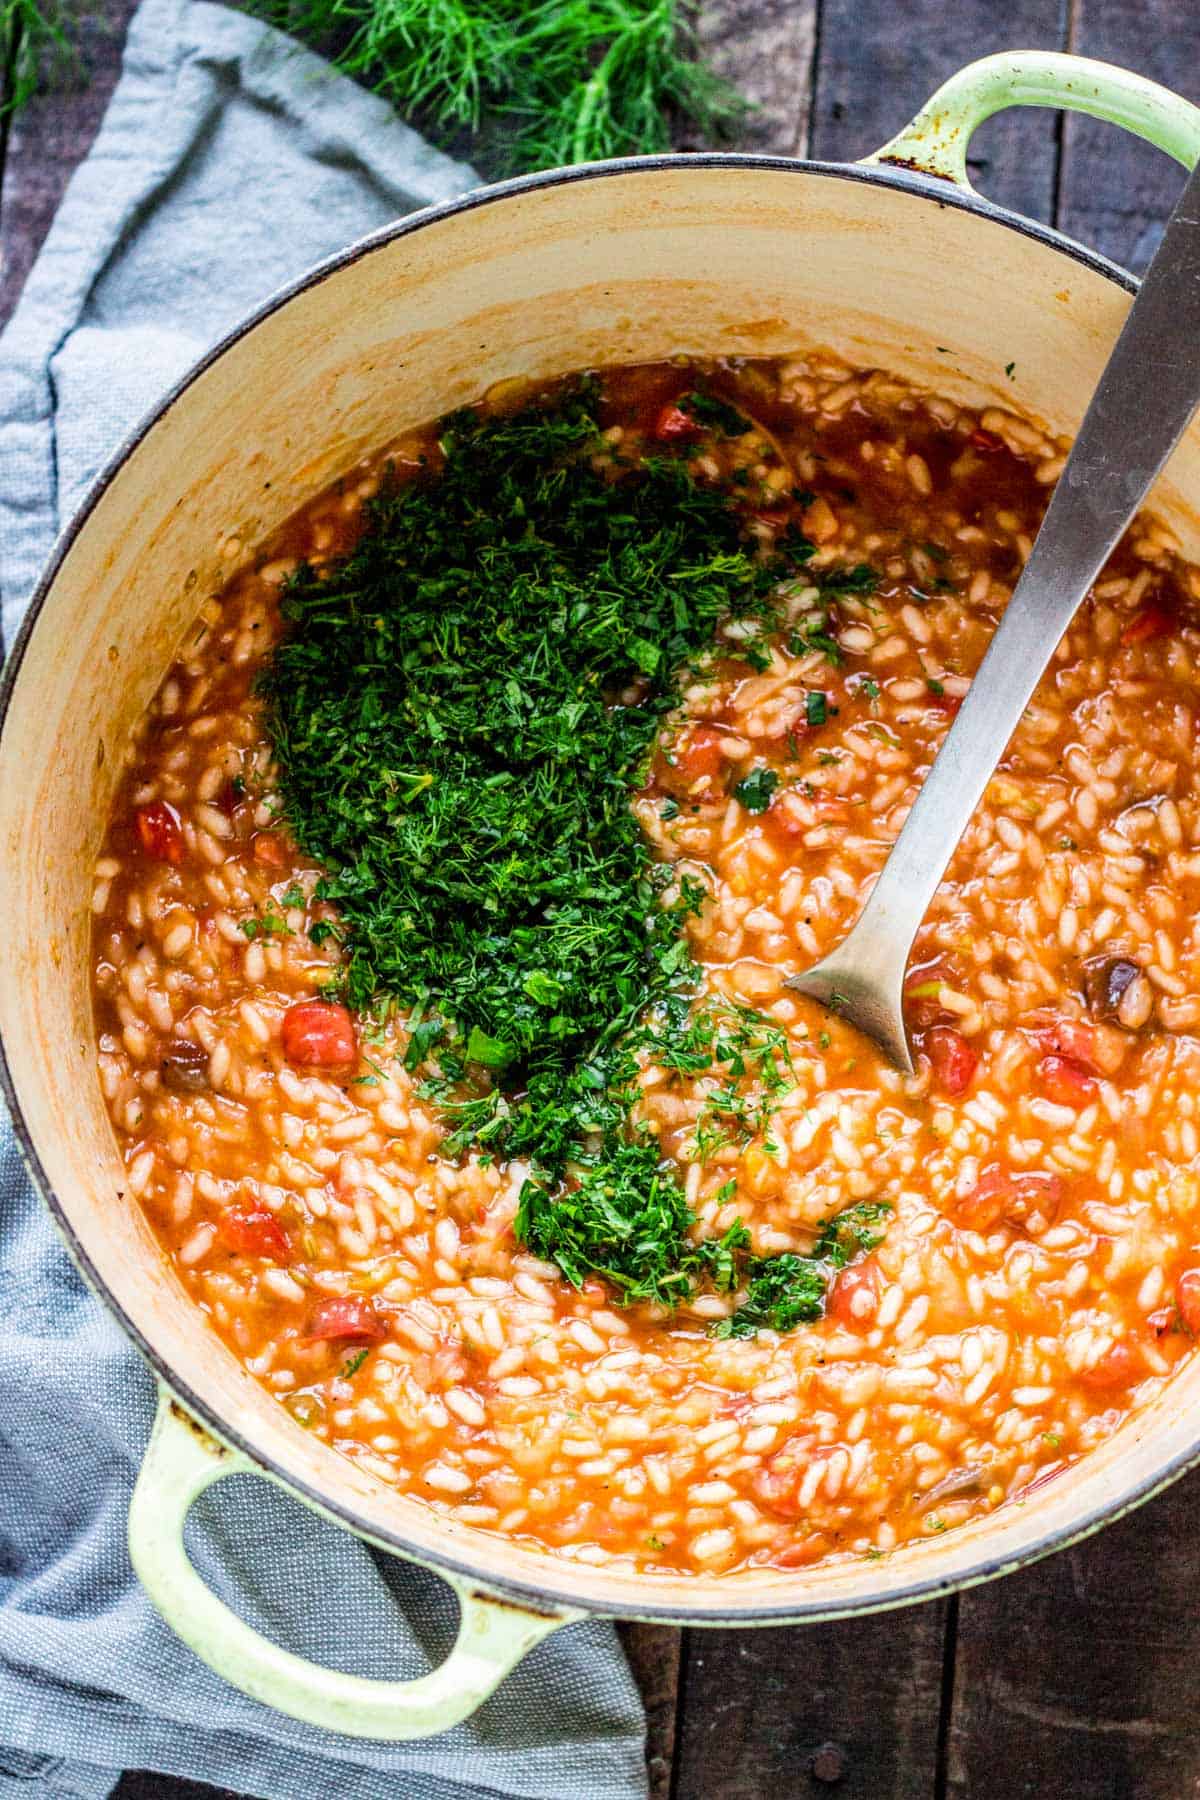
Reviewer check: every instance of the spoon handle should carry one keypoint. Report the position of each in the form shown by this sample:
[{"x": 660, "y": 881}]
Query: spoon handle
[{"x": 1146, "y": 396}]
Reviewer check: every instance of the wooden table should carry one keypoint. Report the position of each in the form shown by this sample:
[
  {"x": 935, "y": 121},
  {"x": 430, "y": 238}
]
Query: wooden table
[{"x": 1079, "y": 1678}]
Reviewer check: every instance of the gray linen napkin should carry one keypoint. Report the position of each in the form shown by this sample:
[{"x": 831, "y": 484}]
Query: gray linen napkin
[{"x": 229, "y": 160}]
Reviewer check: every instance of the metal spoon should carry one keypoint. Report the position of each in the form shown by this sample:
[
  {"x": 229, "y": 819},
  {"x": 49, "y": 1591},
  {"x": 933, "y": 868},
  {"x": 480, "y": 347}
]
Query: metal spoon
[{"x": 1146, "y": 397}]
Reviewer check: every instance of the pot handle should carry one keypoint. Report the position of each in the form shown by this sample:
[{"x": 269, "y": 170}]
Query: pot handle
[
  {"x": 936, "y": 141},
  {"x": 181, "y": 1461}
]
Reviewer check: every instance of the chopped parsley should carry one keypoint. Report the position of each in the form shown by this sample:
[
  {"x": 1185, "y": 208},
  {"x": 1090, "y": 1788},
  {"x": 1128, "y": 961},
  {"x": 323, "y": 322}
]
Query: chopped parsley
[
  {"x": 816, "y": 708},
  {"x": 789, "y": 1290},
  {"x": 755, "y": 790},
  {"x": 268, "y": 923},
  {"x": 855, "y": 1232},
  {"x": 783, "y": 1291},
  {"x": 456, "y": 746}
]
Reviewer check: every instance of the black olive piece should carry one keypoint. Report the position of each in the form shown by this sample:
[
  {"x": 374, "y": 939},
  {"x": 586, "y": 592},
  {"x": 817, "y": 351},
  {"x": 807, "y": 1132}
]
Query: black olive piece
[
  {"x": 1105, "y": 979},
  {"x": 184, "y": 1067}
]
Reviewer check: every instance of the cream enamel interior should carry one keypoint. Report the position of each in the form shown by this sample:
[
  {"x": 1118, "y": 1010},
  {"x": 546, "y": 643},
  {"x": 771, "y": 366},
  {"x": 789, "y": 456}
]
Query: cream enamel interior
[{"x": 636, "y": 264}]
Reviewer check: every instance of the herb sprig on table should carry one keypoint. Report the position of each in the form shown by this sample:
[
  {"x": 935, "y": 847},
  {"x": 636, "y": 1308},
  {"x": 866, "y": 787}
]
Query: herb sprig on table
[
  {"x": 537, "y": 82},
  {"x": 461, "y": 711}
]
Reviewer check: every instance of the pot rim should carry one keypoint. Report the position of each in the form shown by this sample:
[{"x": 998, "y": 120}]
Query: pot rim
[{"x": 920, "y": 185}]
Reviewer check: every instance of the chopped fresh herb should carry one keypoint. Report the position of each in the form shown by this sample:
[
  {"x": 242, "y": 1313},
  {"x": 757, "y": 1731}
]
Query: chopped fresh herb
[
  {"x": 826, "y": 757},
  {"x": 807, "y": 639},
  {"x": 1008, "y": 369},
  {"x": 293, "y": 897},
  {"x": 824, "y": 1040},
  {"x": 783, "y": 1291},
  {"x": 267, "y": 924},
  {"x": 628, "y": 1220},
  {"x": 935, "y": 687},
  {"x": 855, "y": 1232},
  {"x": 355, "y": 1364},
  {"x": 935, "y": 551},
  {"x": 862, "y": 579},
  {"x": 237, "y": 787},
  {"x": 654, "y": 1542},
  {"x": 442, "y": 716},
  {"x": 708, "y": 409},
  {"x": 816, "y": 708},
  {"x": 755, "y": 790}
]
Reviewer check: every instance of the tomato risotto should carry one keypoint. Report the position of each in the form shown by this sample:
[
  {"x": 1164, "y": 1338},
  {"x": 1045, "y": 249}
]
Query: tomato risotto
[{"x": 440, "y": 937}]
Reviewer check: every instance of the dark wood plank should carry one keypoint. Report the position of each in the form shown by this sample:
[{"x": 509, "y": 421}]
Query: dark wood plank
[
  {"x": 1115, "y": 191},
  {"x": 877, "y": 65},
  {"x": 654, "y": 1655},
  {"x": 789, "y": 1712},
  {"x": 1078, "y": 1676},
  {"x": 52, "y": 135},
  {"x": 766, "y": 51}
]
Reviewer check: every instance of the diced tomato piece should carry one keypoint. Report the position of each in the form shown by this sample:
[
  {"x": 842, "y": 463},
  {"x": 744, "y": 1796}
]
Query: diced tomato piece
[
  {"x": 784, "y": 820},
  {"x": 777, "y": 1483},
  {"x": 952, "y": 1059},
  {"x": 254, "y": 1231},
  {"x": 351, "y": 1318},
  {"x": 1119, "y": 1367},
  {"x": 999, "y": 1194},
  {"x": 986, "y": 440},
  {"x": 805, "y": 1550},
  {"x": 1187, "y": 1299},
  {"x": 922, "y": 997},
  {"x": 854, "y": 1297},
  {"x": 696, "y": 755},
  {"x": 984, "y": 1205},
  {"x": 673, "y": 425},
  {"x": 320, "y": 1033},
  {"x": 160, "y": 831},
  {"x": 271, "y": 850},
  {"x": 946, "y": 703},
  {"x": 1075, "y": 1040},
  {"x": 1064, "y": 1082},
  {"x": 1154, "y": 621}
]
